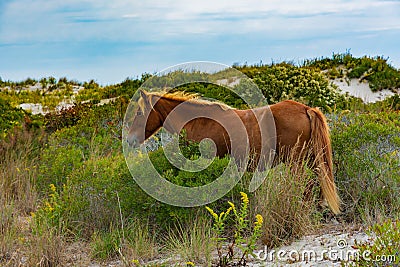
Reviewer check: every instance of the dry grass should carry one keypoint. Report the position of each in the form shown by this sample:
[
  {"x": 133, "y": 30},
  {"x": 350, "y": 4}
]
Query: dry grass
[
  {"x": 18, "y": 170},
  {"x": 140, "y": 243},
  {"x": 129, "y": 242},
  {"x": 282, "y": 202},
  {"x": 17, "y": 193},
  {"x": 46, "y": 249},
  {"x": 18, "y": 198},
  {"x": 8, "y": 231},
  {"x": 191, "y": 241}
]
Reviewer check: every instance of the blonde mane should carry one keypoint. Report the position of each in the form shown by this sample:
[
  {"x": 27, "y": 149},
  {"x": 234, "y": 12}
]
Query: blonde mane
[{"x": 186, "y": 97}]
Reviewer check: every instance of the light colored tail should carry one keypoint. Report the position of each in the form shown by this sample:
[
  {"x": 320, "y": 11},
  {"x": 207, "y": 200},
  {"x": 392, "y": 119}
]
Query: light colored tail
[{"x": 322, "y": 150}]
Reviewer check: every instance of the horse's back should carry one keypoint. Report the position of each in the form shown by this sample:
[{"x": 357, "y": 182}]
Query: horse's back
[{"x": 291, "y": 122}]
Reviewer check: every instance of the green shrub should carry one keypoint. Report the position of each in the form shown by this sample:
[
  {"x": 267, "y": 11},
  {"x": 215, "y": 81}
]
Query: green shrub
[
  {"x": 388, "y": 78},
  {"x": 90, "y": 195},
  {"x": 66, "y": 117},
  {"x": 95, "y": 192},
  {"x": 375, "y": 70},
  {"x": 307, "y": 85},
  {"x": 212, "y": 91},
  {"x": 393, "y": 102},
  {"x": 337, "y": 60},
  {"x": 357, "y": 72},
  {"x": 94, "y": 92},
  {"x": 384, "y": 249},
  {"x": 57, "y": 163},
  {"x": 166, "y": 215},
  {"x": 9, "y": 116},
  {"x": 93, "y": 132},
  {"x": 127, "y": 88},
  {"x": 193, "y": 179},
  {"x": 366, "y": 156},
  {"x": 334, "y": 73}
]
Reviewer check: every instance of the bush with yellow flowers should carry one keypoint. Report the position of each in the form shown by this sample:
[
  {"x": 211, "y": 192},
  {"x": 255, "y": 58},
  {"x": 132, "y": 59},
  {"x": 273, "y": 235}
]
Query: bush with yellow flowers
[
  {"x": 245, "y": 236},
  {"x": 49, "y": 213}
]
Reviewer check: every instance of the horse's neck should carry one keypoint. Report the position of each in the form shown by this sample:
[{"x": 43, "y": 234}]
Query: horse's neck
[
  {"x": 175, "y": 114},
  {"x": 164, "y": 107}
]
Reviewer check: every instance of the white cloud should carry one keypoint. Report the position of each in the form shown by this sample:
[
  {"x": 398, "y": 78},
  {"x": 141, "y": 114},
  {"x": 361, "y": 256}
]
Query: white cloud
[
  {"x": 44, "y": 20},
  {"x": 159, "y": 32}
]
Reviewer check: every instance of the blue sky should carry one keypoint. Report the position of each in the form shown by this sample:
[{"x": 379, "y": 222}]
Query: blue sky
[{"x": 109, "y": 41}]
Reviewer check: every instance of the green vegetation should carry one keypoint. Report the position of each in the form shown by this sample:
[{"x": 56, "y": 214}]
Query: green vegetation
[
  {"x": 64, "y": 180},
  {"x": 241, "y": 225},
  {"x": 285, "y": 81},
  {"x": 366, "y": 152},
  {"x": 376, "y": 70},
  {"x": 384, "y": 250},
  {"x": 281, "y": 201},
  {"x": 10, "y": 116}
]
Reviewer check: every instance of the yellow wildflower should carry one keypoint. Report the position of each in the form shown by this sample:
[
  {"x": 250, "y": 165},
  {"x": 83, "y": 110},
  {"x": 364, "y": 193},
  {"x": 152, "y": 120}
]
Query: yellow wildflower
[
  {"x": 231, "y": 204},
  {"x": 52, "y": 188},
  {"x": 244, "y": 198},
  {"x": 259, "y": 220},
  {"x": 212, "y": 213},
  {"x": 48, "y": 207},
  {"x": 228, "y": 210},
  {"x": 136, "y": 262},
  {"x": 189, "y": 263}
]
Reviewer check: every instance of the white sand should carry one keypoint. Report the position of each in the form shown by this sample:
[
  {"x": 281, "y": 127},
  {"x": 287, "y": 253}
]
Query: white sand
[
  {"x": 362, "y": 90},
  {"x": 33, "y": 108},
  {"x": 314, "y": 250}
]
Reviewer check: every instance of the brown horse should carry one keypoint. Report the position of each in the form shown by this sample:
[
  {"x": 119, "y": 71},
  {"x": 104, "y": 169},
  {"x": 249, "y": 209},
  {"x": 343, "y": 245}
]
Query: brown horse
[{"x": 239, "y": 131}]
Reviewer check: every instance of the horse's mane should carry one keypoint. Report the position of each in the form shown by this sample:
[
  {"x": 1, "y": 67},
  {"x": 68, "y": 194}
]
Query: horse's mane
[{"x": 194, "y": 98}]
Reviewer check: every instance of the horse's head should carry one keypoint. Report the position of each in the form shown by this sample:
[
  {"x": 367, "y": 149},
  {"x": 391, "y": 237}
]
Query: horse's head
[{"x": 146, "y": 121}]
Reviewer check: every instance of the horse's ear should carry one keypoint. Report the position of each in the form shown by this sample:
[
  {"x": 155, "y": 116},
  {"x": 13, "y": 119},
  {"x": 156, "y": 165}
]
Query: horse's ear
[{"x": 143, "y": 95}]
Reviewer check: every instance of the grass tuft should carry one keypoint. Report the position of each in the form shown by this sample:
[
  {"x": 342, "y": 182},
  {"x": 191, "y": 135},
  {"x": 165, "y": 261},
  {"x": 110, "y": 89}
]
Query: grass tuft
[{"x": 284, "y": 202}]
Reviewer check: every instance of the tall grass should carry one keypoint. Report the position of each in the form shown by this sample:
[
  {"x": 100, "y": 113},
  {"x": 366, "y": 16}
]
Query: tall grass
[
  {"x": 285, "y": 203},
  {"x": 18, "y": 195},
  {"x": 130, "y": 243},
  {"x": 19, "y": 161},
  {"x": 139, "y": 241},
  {"x": 191, "y": 241},
  {"x": 8, "y": 230},
  {"x": 47, "y": 248}
]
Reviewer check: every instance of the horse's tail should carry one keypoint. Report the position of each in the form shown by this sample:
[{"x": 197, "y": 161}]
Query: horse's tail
[{"x": 322, "y": 150}]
